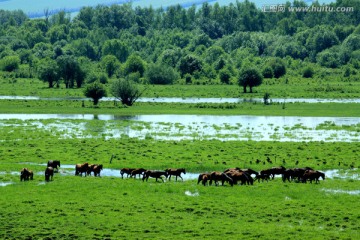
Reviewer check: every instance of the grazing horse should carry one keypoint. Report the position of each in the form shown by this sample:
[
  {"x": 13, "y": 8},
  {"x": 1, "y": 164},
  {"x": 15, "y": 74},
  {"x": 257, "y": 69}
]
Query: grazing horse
[
  {"x": 220, "y": 176},
  {"x": 127, "y": 171},
  {"x": 204, "y": 177},
  {"x": 137, "y": 171},
  {"x": 49, "y": 174},
  {"x": 299, "y": 173},
  {"x": 263, "y": 177},
  {"x": 250, "y": 171},
  {"x": 244, "y": 177},
  {"x": 97, "y": 169},
  {"x": 154, "y": 174},
  {"x": 288, "y": 175},
  {"x": 312, "y": 175},
  {"x": 26, "y": 174},
  {"x": 273, "y": 171},
  {"x": 175, "y": 172},
  {"x": 54, "y": 164},
  {"x": 81, "y": 168}
]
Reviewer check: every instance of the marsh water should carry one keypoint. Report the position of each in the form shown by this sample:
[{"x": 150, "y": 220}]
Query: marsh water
[{"x": 191, "y": 127}]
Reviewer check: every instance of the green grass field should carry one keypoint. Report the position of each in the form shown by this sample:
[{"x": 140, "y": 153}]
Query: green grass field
[{"x": 73, "y": 207}]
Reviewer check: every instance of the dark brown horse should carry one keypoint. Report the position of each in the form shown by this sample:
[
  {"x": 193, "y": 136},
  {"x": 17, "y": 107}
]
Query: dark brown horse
[
  {"x": 175, "y": 172},
  {"x": 49, "y": 174},
  {"x": 97, "y": 169},
  {"x": 262, "y": 176},
  {"x": 288, "y": 175},
  {"x": 312, "y": 175},
  {"x": 154, "y": 174},
  {"x": 136, "y": 171},
  {"x": 204, "y": 177},
  {"x": 26, "y": 174},
  {"x": 127, "y": 171},
  {"x": 298, "y": 173},
  {"x": 220, "y": 176},
  {"x": 247, "y": 170},
  {"x": 273, "y": 171},
  {"x": 81, "y": 168},
  {"x": 54, "y": 164}
]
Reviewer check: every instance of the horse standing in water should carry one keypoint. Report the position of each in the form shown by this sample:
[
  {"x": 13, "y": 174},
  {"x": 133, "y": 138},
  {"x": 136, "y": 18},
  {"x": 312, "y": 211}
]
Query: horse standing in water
[
  {"x": 26, "y": 174},
  {"x": 154, "y": 174},
  {"x": 312, "y": 175},
  {"x": 54, "y": 164},
  {"x": 49, "y": 174},
  {"x": 81, "y": 168},
  {"x": 175, "y": 172},
  {"x": 127, "y": 171}
]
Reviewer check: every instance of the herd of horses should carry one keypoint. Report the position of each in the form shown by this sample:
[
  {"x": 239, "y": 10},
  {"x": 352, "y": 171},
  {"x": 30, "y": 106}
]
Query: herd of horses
[
  {"x": 245, "y": 176},
  {"x": 157, "y": 174},
  {"x": 232, "y": 176}
]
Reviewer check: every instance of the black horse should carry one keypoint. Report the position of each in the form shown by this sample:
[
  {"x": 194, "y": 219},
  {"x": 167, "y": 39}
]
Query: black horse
[
  {"x": 175, "y": 172},
  {"x": 312, "y": 175},
  {"x": 273, "y": 171},
  {"x": 127, "y": 171},
  {"x": 54, "y": 164},
  {"x": 49, "y": 174},
  {"x": 154, "y": 174}
]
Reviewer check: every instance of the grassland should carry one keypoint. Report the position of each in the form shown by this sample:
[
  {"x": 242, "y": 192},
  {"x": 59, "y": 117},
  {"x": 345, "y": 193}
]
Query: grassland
[{"x": 72, "y": 207}]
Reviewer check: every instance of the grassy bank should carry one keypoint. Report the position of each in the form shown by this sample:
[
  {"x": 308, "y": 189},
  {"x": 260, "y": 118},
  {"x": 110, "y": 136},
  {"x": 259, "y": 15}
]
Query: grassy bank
[
  {"x": 277, "y": 88},
  {"x": 114, "y": 208},
  {"x": 277, "y": 109}
]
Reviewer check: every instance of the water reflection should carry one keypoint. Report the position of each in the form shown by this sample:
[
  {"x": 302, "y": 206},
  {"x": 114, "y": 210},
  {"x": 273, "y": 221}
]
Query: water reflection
[{"x": 192, "y": 127}]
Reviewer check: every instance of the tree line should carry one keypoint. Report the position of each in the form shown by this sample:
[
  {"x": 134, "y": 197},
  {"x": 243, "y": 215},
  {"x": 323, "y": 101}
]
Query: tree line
[{"x": 212, "y": 44}]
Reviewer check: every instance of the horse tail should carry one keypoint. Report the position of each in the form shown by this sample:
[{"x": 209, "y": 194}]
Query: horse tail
[{"x": 227, "y": 178}]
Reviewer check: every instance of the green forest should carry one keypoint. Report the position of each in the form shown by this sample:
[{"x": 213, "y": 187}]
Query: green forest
[{"x": 207, "y": 45}]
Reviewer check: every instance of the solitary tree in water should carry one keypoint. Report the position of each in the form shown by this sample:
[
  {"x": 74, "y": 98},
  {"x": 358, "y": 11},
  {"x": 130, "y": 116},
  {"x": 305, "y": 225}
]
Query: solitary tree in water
[{"x": 250, "y": 77}]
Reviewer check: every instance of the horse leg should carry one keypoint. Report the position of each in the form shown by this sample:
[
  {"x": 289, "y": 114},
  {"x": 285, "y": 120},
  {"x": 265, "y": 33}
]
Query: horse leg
[{"x": 181, "y": 178}]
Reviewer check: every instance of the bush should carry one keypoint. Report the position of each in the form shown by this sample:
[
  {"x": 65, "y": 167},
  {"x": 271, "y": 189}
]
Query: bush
[
  {"x": 308, "y": 72},
  {"x": 224, "y": 76},
  {"x": 10, "y": 63},
  {"x": 268, "y": 72},
  {"x": 125, "y": 91},
  {"x": 161, "y": 74}
]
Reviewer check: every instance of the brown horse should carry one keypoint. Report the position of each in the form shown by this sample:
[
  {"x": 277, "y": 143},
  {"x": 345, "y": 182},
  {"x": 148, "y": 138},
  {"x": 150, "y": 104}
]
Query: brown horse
[
  {"x": 54, "y": 164},
  {"x": 49, "y": 174},
  {"x": 273, "y": 171},
  {"x": 136, "y": 171},
  {"x": 312, "y": 175},
  {"x": 81, "y": 168},
  {"x": 97, "y": 169},
  {"x": 220, "y": 176},
  {"x": 154, "y": 174},
  {"x": 175, "y": 172},
  {"x": 243, "y": 177},
  {"x": 127, "y": 171},
  {"x": 204, "y": 177},
  {"x": 26, "y": 174}
]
